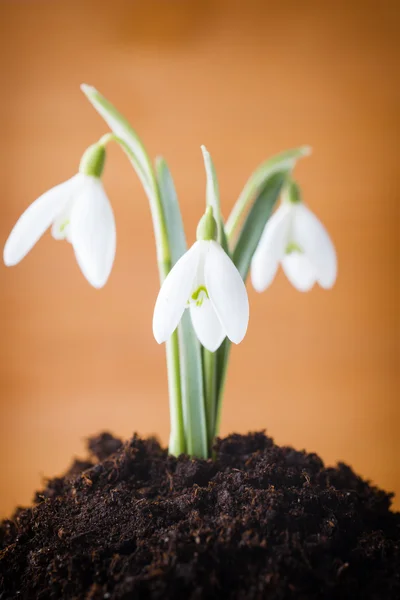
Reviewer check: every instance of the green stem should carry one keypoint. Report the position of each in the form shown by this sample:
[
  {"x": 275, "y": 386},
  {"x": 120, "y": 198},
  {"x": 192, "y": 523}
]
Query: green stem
[
  {"x": 220, "y": 387},
  {"x": 191, "y": 372},
  {"x": 210, "y": 359},
  {"x": 209, "y": 366},
  {"x": 192, "y": 385},
  {"x": 177, "y": 443}
]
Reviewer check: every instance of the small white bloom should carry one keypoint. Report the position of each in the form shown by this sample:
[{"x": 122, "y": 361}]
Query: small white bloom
[
  {"x": 206, "y": 281},
  {"x": 77, "y": 210},
  {"x": 294, "y": 237}
]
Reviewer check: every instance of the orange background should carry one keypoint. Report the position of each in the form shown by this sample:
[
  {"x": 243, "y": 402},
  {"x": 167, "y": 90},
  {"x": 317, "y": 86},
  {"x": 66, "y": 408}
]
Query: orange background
[{"x": 248, "y": 79}]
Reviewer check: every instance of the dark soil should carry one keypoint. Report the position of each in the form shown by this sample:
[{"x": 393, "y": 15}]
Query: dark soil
[{"x": 260, "y": 522}]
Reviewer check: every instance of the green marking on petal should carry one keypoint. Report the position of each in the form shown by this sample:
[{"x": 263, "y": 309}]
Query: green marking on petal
[
  {"x": 63, "y": 226},
  {"x": 293, "y": 247},
  {"x": 198, "y": 295}
]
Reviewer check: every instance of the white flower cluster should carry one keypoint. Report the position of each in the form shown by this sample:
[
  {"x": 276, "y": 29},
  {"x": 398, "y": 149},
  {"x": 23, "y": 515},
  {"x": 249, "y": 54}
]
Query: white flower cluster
[{"x": 204, "y": 279}]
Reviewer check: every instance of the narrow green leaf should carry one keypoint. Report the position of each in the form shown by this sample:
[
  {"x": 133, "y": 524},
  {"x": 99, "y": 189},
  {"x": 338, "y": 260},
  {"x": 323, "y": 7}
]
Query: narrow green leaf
[
  {"x": 191, "y": 372},
  {"x": 256, "y": 220},
  {"x": 172, "y": 213},
  {"x": 259, "y": 195},
  {"x": 242, "y": 254},
  {"x": 132, "y": 145},
  {"x": 213, "y": 197},
  {"x": 192, "y": 389},
  {"x": 284, "y": 161},
  {"x": 123, "y": 130},
  {"x": 210, "y": 359}
]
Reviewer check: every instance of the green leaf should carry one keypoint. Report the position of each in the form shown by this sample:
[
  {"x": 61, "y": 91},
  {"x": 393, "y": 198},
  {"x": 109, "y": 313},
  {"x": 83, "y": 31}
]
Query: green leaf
[
  {"x": 213, "y": 197},
  {"x": 283, "y": 162},
  {"x": 259, "y": 196},
  {"x": 191, "y": 373},
  {"x": 242, "y": 254},
  {"x": 210, "y": 359},
  {"x": 194, "y": 415},
  {"x": 133, "y": 145},
  {"x": 256, "y": 220},
  {"x": 172, "y": 213}
]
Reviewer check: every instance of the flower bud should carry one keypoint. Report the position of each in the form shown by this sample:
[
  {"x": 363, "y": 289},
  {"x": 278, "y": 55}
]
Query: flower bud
[
  {"x": 292, "y": 193},
  {"x": 207, "y": 229},
  {"x": 92, "y": 161}
]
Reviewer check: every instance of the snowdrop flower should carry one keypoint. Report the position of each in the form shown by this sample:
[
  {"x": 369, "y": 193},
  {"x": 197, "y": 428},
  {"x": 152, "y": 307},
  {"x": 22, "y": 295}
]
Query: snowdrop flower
[
  {"x": 77, "y": 210},
  {"x": 206, "y": 281},
  {"x": 294, "y": 237}
]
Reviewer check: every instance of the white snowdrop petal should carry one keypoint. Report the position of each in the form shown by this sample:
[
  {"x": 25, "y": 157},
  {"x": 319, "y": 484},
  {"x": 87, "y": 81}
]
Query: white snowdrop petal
[
  {"x": 92, "y": 232},
  {"x": 174, "y": 294},
  {"x": 227, "y": 292},
  {"x": 36, "y": 219},
  {"x": 299, "y": 270},
  {"x": 271, "y": 248},
  {"x": 207, "y": 326},
  {"x": 314, "y": 239}
]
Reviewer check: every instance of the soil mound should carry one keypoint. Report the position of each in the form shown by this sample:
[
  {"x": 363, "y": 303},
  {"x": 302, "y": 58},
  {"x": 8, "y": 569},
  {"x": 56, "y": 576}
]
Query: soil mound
[{"x": 261, "y": 521}]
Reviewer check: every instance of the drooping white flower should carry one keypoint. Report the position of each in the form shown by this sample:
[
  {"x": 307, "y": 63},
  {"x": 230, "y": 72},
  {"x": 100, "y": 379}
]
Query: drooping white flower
[
  {"x": 295, "y": 238},
  {"x": 206, "y": 281},
  {"x": 77, "y": 210}
]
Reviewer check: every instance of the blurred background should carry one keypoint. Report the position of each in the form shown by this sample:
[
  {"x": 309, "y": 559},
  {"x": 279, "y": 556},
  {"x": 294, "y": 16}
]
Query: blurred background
[{"x": 320, "y": 370}]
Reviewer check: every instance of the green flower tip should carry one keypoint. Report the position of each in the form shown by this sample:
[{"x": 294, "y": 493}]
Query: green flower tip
[
  {"x": 207, "y": 229},
  {"x": 292, "y": 193},
  {"x": 92, "y": 161}
]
